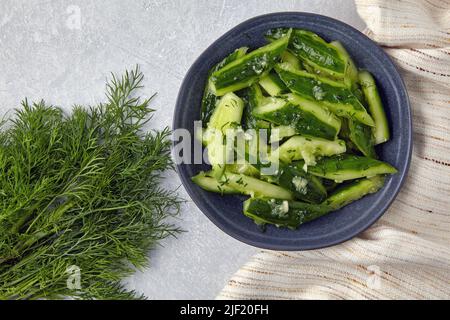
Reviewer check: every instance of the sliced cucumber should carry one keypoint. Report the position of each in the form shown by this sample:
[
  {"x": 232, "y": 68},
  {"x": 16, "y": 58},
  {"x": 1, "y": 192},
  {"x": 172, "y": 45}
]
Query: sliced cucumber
[
  {"x": 338, "y": 99},
  {"x": 306, "y": 117},
  {"x": 281, "y": 132},
  {"x": 209, "y": 100},
  {"x": 243, "y": 168},
  {"x": 255, "y": 187},
  {"x": 226, "y": 116},
  {"x": 369, "y": 87},
  {"x": 313, "y": 50},
  {"x": 354, "y": 191},
  {"x": 228, "y": 113},
  {"x": 351, "y": 71},
  {"x": 304, "y": 186},
  {"x": 307, "y": 148},
  {"x": 290, "y": 58},
  {"x": 211, "y": 184},
  {"x": 347, "y": 167},
  {"x": 289, "y": 214},
  {"x": 272, "y": 84},
  {"x": 247, "y": 70},
  {"x": 362, "y": 138},
  {"x": 253, "y": 98},
  {"x": 321, "y": 113}
]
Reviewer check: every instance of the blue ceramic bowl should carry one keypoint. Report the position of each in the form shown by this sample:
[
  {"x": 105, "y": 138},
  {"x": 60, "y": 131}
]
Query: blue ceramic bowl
[{"x": 339, "y": 226}]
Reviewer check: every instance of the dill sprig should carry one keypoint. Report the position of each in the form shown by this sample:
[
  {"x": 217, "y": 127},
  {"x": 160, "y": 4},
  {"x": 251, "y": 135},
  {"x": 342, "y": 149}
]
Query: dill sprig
[{"x": 81, "y": 189}]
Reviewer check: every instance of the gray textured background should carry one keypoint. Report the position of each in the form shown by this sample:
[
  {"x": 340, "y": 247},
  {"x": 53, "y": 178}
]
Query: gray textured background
[{"x": 63, "y": 51}]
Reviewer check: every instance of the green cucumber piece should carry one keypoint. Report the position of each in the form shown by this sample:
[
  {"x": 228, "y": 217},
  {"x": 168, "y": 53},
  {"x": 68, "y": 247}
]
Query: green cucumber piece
[
  {"x": 369, "y": 87},
  {"x": 290, "y": 58},
  {"x": 362, "y": 138},
  {"x": 272, "y": 84},
  {"x": 315, "y": 51},
  {"x": 335, "y": 96},
  {"x": 209, "y": 100},
  {"x": 255, "y": 187},
  {"x": 351, "y": 71},
  {"x": 353, "y": 191},
  {"x": 308, "y": 118},
  {"x": 243, "y": 168},
  {"x": 304, "y": 186},
  {"x": 281, "y": 213},
  {"x": 253, "y": 98},
  {"x": 308, "y": 149},
  {"x": 248, "y": 69},
  {"x": 228, "y": 113},
  {"x": 211, "y": 184},
  {"x": 281, "y": 132},
  {"x": 347, "y": 167}
]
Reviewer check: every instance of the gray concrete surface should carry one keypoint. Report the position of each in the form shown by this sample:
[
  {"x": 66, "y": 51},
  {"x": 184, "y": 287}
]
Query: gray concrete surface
[{"x": 63, "y": 51}]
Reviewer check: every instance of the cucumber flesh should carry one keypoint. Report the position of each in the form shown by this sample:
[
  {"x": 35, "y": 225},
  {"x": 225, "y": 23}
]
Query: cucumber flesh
[
  {"x": 272, "y": 84},
  {"x": 255, "y": 187},
  {"x": 347, "y": 167},
  {"x": 228, "y": 113},
  {"x": 281, "y": 132},
  {"x": 281, "y": 213},
  {"x": 211, "y": 184},
  {"x": 305, "y": 117},
  {"x": 354, "y": 191},
  {"x": 381, "y": 130},
  {"x": 290, "y": 58},
  {"x": 335, "y": 96},
  {"x": 248, "y": 69},
  {"x": 209, "y": 100},
  {"x": 308, "y": 149},
  {"x": 243, "y": 168}
]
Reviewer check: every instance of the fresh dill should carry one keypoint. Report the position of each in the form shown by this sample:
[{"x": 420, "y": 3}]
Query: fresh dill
[{"x": 82, "y": 189}]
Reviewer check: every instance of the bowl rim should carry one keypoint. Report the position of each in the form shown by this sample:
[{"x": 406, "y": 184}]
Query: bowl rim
[{"x": 188, "y": 185}]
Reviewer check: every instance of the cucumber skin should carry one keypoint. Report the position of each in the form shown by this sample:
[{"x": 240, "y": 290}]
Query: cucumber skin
[
  {"x": 211, "y": 184},
  {"x": 253, "y": 98},
  {"x": 304, "y": 122},
  {"x": 347, "y": 167},
  {"x": 369, "y": 88},
  {"x": 313, "y": 50},
  {"x": 315, "y": 191},
  {"x": 209, "y": 100},
  {"x": 254, "y": 187},
  {"x": 354, "y": 191},
  {"x": 339, "y": 99},
  {"x": 351, "y": 71},
  {"x": 361, "y": 136},
  {"x": 261, "y": 211},
  {"x": 248, "y": 69}
]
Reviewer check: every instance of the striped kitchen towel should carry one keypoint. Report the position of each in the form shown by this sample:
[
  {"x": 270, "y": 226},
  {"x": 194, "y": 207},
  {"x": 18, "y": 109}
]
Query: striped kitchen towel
[{"x": 406, "y": 254}]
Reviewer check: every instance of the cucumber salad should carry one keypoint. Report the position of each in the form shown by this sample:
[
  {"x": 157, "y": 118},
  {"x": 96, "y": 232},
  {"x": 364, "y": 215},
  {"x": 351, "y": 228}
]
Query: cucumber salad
[{"x": 293, "y": 125}]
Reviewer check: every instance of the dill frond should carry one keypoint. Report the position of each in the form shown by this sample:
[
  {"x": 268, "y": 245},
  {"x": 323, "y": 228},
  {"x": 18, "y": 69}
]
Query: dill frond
[{"x": 82, "y": 189}]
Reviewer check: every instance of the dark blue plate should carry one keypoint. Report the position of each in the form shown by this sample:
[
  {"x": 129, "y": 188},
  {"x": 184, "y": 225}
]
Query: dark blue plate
[{"x": 339, "y": 226}]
